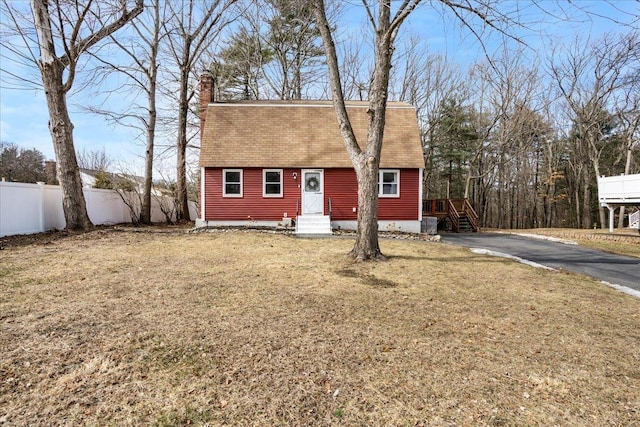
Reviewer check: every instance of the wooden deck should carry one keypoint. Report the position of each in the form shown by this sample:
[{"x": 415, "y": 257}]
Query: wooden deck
[{"x": 458, "y": 213}]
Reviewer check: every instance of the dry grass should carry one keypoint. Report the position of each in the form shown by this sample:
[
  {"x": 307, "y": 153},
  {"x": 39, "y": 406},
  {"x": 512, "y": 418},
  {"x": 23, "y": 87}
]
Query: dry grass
[{"x": 255, "y": 329}]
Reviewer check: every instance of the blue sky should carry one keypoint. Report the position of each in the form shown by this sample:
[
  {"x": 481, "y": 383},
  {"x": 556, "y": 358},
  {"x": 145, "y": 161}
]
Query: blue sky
[{"x": 24, "y": 116}]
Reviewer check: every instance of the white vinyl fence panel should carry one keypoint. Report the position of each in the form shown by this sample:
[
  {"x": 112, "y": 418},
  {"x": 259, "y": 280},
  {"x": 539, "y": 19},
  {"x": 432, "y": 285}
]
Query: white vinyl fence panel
[
  {"x": 52, "y": 210},
  {"x": 105, "y": 206},
  {"x": 21, "y": 208},
  {"x": 34, "y": 208}
]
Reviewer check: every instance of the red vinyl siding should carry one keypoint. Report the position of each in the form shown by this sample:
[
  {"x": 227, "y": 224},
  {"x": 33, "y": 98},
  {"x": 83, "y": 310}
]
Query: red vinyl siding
[
  {"x": 340, "y": 185},
  {"x": 407, "y": 206},
  {"x": 252, "y": 203}
]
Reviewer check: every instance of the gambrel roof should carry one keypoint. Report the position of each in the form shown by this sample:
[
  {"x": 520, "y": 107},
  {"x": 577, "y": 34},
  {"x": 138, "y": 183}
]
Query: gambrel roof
[{"x": 302, "y": 134}]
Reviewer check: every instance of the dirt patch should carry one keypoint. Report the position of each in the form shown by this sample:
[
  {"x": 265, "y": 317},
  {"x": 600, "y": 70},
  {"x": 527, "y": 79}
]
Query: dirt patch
[
  {"x": 367, "y": 279},
  {"x": 246, "y": 328},
  {"x": 49, "y": 237},
  {"x": 32, "y": 239}
]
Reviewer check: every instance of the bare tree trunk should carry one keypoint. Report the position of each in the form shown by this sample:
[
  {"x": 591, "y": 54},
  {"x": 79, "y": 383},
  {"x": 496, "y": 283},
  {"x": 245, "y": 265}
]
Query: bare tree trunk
[
  {"x": 367, "y": 245},
  {"x": 61, "y": 128},
  {"x": 578, "y": 216},
  {"x": 601, "y": 210},
  {"x": 152, "y": 117},
  {"x": 536, "y": 214},
  {"x": 145, "y": 214},
  {"x": 366, "y": 162},
  {"x": 181, "y": 144},
  {"x": 141, "y": 71},
  {"x": 192, "y": 33},
  {"x": 58, "y": 74},
  {"x": 586, "y": 201}
]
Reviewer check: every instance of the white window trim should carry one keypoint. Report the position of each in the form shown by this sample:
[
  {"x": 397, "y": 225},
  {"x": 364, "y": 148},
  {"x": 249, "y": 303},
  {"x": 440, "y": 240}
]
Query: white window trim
[
  {"x": 380, "y": 172},
  {"x": 264, "y": 182},
  {"x": 224, "y": 182}
]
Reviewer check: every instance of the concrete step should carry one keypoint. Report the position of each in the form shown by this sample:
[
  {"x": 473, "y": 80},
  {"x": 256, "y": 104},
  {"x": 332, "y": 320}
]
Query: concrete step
[{"x": 313, "y": 224}]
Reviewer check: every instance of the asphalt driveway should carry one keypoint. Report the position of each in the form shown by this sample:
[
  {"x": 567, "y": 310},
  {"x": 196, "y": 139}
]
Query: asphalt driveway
[{"x": 614, "y": 269}]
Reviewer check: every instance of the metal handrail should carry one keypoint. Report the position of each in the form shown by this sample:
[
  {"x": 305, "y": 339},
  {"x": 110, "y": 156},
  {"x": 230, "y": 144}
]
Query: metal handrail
[{"x": 329, "y": 206}]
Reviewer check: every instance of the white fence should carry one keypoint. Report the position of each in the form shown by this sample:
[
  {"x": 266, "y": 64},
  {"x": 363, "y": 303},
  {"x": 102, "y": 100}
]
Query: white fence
[{"x": 34, "y": 208}]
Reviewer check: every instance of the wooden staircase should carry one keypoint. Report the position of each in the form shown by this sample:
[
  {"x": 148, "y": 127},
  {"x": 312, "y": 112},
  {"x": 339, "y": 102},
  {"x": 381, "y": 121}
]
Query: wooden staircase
[{"x": 457, "y": 213}]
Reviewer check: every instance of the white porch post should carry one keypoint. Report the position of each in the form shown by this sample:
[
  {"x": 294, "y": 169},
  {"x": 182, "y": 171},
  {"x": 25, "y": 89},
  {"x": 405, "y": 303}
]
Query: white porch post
[{"x": 611, "y": 215}]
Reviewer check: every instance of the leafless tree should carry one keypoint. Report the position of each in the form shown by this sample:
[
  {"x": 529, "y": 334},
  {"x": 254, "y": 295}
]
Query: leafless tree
[
  {"x": 355, "y": 69},
  {"x": 140, "y": 68},
  {"x": 191, "y": 27},
  {"x": 587, "y": 79},
  {"x": 64, "y": 32},
  {"x": 510, "y": 132},
  {"x": 430, "y": 82},
  {"x": 94, "y": 159},
  {"x": 366, "y": 160},
  {"x": 365, "y": 156},
  {"x": 627, "y": 111}
]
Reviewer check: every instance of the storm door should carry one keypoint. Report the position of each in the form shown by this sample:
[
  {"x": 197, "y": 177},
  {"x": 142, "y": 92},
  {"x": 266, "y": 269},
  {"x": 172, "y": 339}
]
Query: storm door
[{"x": 312, "y": 192}]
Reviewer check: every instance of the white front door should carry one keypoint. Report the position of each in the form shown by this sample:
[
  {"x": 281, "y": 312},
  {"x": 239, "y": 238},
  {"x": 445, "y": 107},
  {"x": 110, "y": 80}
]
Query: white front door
[{"x": 312, "y": 192}]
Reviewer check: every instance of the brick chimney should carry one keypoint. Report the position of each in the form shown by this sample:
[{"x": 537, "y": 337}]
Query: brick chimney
[{"x": 206, "y": 97}]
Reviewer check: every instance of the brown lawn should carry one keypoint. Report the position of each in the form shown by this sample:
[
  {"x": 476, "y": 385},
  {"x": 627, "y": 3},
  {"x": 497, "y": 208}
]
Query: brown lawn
[{"x": 167, "y": 328}]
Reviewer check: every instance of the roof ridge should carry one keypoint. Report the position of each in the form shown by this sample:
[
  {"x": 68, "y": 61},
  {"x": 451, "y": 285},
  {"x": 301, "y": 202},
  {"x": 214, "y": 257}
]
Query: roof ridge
[{"x": 305, "y": 103}]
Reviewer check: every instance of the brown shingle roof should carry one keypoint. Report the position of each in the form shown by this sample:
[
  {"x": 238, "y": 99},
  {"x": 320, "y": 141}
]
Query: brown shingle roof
[{"x": 302, "y": 134}]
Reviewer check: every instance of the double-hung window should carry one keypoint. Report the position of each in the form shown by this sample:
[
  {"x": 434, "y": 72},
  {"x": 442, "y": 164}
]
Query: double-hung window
[
  {"x": 232, "y": 182},
  {"x": 272, "y": 182},
  {"x": 389, "y": 183}
]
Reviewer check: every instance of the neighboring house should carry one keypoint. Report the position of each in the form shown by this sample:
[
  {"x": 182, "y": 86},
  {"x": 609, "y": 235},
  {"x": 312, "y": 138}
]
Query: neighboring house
[
  {"x": 618, "y": 191},
  {"x": 90, "y": 177},
  {"x": 270, "y": 162},
  {"x": 96, "y": 178}
]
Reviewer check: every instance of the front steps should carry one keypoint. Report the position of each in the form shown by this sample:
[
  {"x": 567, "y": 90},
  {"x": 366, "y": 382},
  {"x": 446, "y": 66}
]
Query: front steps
[{"x": 316, "y": 225}]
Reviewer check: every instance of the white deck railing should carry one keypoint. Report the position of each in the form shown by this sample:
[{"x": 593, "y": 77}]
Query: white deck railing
[
  {"x": 619, "y": 190},
  {"x": 616, "y": 191}
]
